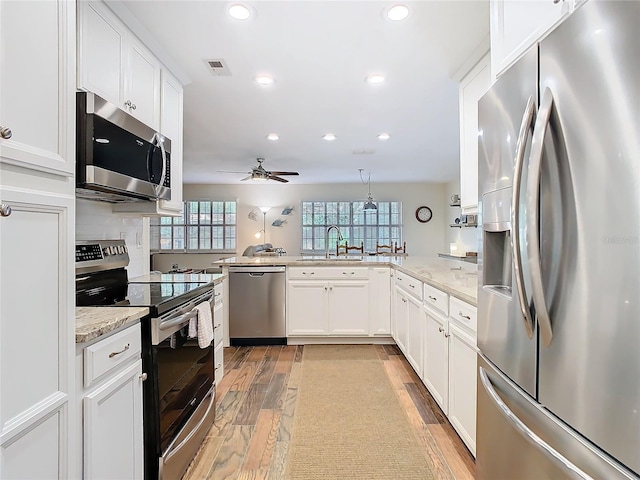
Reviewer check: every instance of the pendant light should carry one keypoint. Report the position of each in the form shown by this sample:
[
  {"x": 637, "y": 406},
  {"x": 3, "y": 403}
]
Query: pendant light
[{"x": 369, "y": 205}]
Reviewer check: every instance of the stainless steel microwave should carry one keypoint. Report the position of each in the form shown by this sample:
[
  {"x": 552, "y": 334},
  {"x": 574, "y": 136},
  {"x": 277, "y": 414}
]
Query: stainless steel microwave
[{"x": 118, "y": 158}]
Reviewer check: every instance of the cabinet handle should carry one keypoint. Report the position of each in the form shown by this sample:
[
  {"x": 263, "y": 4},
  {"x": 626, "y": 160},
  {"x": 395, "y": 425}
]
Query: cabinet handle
[
  {"x": 440, "y": 329},
  {"x": 128, "y": 104},
  {"x": 432, "y": 298},
  {"x": 331, "y": 287},
  {"x": 126, "y": 347},
  {"x": 5, "y": 210},
  {"x": 308, "y": 273},
  {"x": 217, "y": 326},
  {"x": 218, "y": 366},
  {"x": 412, "y": 286},
  {"x": 6, "y": 133},
  {"x": 348, "y": 273},
  {"x": 464, "y": 316},
  {"x": 143, "y": 377},
  {"x": 447, "y": 335},
  {"x": 133, "y": 106},
  {"x": 404, "y": 300},
  {"x": 326, "y": 288}
]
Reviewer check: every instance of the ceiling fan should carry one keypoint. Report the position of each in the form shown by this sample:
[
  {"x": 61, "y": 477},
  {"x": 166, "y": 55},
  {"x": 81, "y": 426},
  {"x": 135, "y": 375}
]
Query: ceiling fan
[{"x": 258, "y": 173}]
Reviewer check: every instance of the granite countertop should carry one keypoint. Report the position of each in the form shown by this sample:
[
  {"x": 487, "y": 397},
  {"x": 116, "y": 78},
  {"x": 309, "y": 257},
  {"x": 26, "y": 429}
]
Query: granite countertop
[
  {"x": 454, "y": 277},
  {"x": 93, "y": 322},
  {"x": 179, "y": 278}
]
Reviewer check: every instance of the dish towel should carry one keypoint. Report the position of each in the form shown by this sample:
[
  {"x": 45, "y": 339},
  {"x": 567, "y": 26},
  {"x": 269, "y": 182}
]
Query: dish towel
[{"x": 201, "y": 325}]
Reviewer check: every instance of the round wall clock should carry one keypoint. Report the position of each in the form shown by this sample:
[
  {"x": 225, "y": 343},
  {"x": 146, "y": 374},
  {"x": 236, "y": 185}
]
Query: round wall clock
[{"x": 423, "y": 214}]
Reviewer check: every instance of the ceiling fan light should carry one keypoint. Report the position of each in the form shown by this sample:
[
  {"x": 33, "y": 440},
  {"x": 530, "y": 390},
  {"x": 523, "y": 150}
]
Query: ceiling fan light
[
  {"x": 375, "y": 79},
  {"x": 384, "y": 136},
  {"x": 329, "y": 137},
  {"x": 273, "y": 137},
  {"x": 264, "y": 80}
]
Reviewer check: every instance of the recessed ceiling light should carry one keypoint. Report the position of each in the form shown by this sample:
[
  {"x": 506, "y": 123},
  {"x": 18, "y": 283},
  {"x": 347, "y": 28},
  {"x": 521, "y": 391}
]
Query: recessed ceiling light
[
  {"x": 384, "y": 136},
  {"x": 329, "y": 137},
  {"x": 264, "y": 80},
  {"x": 239, "y": 12},
  {"x": 273, "y": 137},
  {"x": 398, "y": 12},
  {"x": 375, "y": 79}
]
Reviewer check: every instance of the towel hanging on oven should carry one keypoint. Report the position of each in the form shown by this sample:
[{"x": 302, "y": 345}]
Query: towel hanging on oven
[{"x": 201, "y": 325}]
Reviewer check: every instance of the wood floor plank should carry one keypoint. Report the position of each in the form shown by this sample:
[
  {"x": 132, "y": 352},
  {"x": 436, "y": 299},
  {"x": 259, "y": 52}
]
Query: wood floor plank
[
  {"x": 298, "y": 356},
  {"x": 263, "y": 441},
  {"x": 267, "y": 366},
  {"x": 244, "y": 377},
  {"x": 401, "y": 371},
  {"x": 257, "y": 353},
  {"x": 427, "y": 414},
  {"x": 229, "y": 353},
  {"x": 382, "y": 353},
  {"x": 459, "y": 459},
  {"x": 231, "y": 453},
  {"x": 261, "y": 474},
  {"x": 392, "y": 350},
  {"x": 393, "y": 375},
  {"x": 278, "y": 461},
  {"x": 240, "y": 357},
  {"x": 285, "y": 360},
  {"x": 203, "y": 461},
  {"x": 250, "y": 405},
  {"x": 224, "y": 385},
  {"x": 294, "y": 377},
  {"x": 276, "y": 391},
  {"x": 286, "y": 417},
  {"x": 225, "y": 413},
  {"x": 436, "y": 458}
]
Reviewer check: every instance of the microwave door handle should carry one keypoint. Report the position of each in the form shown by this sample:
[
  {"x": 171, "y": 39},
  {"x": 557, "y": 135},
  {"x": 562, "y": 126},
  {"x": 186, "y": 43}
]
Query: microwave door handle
[
  {"x": 525, "y": 126},
  {"x": 160, "y": 140},
  {"x": 533, "y": 215}
]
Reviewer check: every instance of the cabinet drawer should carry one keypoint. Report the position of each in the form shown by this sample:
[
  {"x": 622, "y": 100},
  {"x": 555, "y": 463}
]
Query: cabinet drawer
[
  {"x": 218, "y": 362},
  {"x": 218, "y": 291},
  {"x": 409, "y": 284},
  {"x": 463, "y": 313},
  {"x": 321, "y": 273},
  {"x": 108, "y": 354},
  {"x": 436, "y": 299}
]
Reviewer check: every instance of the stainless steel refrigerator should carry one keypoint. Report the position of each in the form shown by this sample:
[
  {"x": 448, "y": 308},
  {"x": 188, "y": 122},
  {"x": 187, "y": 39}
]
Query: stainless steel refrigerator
[{"x": 559, "y": 260}]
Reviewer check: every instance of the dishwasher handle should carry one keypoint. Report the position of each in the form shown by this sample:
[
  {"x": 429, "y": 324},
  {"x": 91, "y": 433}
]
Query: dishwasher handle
[
  {"x": 256, "y": 274},
  {"x": 258, "y": 269}
]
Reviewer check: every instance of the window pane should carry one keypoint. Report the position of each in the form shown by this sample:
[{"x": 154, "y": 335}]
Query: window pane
[
  {"x": 192, "y": 213},
  {"x": 319, "y": 213},
  {"x": 192, "y": 238},
  {"x": 218, "y": 237},
  {"x": 307, "y": 213},
  {"x": 230, "y": 207},
  {"x": 358, "y": 213},
  {"x": 318, "y": 238},
  {"x": 205, "y": 213},
  {"x": 344, "y": 213},
  {"x": 332, "y": 213},
  {"x": 178, "y": 238},
  {"x": 166, "y": 220},
  {"x": 230, "y": 237},
  {"x": 307, "y": 238}
]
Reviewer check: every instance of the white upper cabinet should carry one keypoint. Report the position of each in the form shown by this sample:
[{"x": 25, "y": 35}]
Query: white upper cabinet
[
  {"x": 38, "y": 95},
  {"x": 114, "y": 64},
  {"x": 472, "y": 87},
  {"x": 517, "y": 25}
]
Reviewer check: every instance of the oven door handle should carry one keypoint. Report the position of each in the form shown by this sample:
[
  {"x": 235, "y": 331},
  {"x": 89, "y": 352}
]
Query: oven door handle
[
  {"x": 167, "y": 324},
  {"x": 171, "y": 451}
]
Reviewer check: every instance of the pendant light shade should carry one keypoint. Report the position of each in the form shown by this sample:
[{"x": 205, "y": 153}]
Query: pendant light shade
[{"x": 369, "y": 205}]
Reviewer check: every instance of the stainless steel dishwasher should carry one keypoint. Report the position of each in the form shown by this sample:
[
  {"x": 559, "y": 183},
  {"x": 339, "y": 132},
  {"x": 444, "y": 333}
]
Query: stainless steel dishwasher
[{"x": 257, "y": 305}]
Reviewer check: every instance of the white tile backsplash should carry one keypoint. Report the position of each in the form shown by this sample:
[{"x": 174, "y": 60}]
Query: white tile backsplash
[{"x": 96, "y": 221}]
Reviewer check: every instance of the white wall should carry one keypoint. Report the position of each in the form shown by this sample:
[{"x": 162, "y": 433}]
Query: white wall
[
  {"x": 466, "y": 238},
  {"x": 422, "y": 239},
  {"x": 96, "y": 221}
]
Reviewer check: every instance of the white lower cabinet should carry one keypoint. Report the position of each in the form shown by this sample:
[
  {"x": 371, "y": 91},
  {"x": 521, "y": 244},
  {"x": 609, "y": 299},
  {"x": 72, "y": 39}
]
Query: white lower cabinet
[
  {"x": 380, "y": 300},
  {"x": 328, "y": 301},
  {"x": 113, "y": 427},
  {"x": 112, "y": 422},
  {"x": 415, "y": 336},
  {"x": 462, "y": 384},
  {"x": 401, "y": 319},
  {"x": 436, "y": 358}
]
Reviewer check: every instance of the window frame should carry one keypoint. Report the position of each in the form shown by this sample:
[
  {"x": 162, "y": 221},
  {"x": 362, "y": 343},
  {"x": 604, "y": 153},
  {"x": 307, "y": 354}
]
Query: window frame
[
  {"x": 355, "y": 224},
  {"x": 184, "y": 222}
]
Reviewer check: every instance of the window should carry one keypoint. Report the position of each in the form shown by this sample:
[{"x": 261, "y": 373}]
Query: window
[
  {"x": 204, "y": 226},
  {"x": 383, "y": 225}
]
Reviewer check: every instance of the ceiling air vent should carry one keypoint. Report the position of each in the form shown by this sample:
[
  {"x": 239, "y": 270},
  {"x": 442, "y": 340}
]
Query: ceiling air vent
[
  {"x": 363, "y": 151},
  {"x": 218, "y": 67}
]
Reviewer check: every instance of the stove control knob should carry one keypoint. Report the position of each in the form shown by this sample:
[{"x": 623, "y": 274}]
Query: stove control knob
[{"x": 105, "y": 251}]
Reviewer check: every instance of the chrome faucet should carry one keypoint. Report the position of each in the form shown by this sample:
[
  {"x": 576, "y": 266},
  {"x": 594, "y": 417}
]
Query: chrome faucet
[{"x": 326, "y": 237}]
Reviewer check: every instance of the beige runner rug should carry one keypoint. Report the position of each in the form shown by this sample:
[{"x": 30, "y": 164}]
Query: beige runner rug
[{"x": 348, "y": 422}]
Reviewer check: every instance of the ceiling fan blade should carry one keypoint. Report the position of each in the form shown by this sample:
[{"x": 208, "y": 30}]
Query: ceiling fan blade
[
  {"x": 278, "y": 179},
  {"x": 231, "y": 171},
  {"x": 284, "y": 173},
  {"x": 245, "y": 178}
]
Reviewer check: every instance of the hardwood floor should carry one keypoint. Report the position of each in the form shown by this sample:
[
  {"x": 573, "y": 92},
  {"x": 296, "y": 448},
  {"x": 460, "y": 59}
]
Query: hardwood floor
[{"x": 256, "y": 402}]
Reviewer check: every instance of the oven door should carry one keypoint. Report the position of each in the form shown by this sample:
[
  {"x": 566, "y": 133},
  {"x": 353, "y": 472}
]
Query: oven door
[{"x": 181, "y": 382}]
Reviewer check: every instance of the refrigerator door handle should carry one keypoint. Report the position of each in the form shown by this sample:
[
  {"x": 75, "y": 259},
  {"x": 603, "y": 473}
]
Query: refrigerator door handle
[
  {"x": 533, "y": 215},
  {"x": 527, "y": 121},
  {"x": 558, "y": 459}
]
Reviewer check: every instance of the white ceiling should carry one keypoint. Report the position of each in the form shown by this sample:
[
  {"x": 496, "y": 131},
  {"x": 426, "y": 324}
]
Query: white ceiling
[{"x": 319, "y": 53}]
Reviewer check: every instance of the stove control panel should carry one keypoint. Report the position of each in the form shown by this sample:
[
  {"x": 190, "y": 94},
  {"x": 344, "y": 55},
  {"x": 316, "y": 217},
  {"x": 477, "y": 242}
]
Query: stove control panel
[{"x": 96, "y": 255}]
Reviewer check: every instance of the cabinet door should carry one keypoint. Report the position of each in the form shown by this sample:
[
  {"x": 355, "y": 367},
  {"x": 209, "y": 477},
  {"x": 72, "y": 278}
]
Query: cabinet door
[
  {"x": 37, "y": 99},
  {"x": 402, "y": 320},
  {"x": 462, "y": 385},
  {"x": 142, "y": 85},
  {"x": 36, "y": 334},
  {"x": 516, "y": 26},
  {"x": 473, "y": 86},
  {"x": 380, "y": 301},
  {"x": 436, "y": 358},
  {"x": 307, "y": 312},
  {"x": 113, "y": 427},
  {"x": 414, "y": 334},
  {"x": 349, "y": 308},
  {"x": 101, "y": 46}
]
